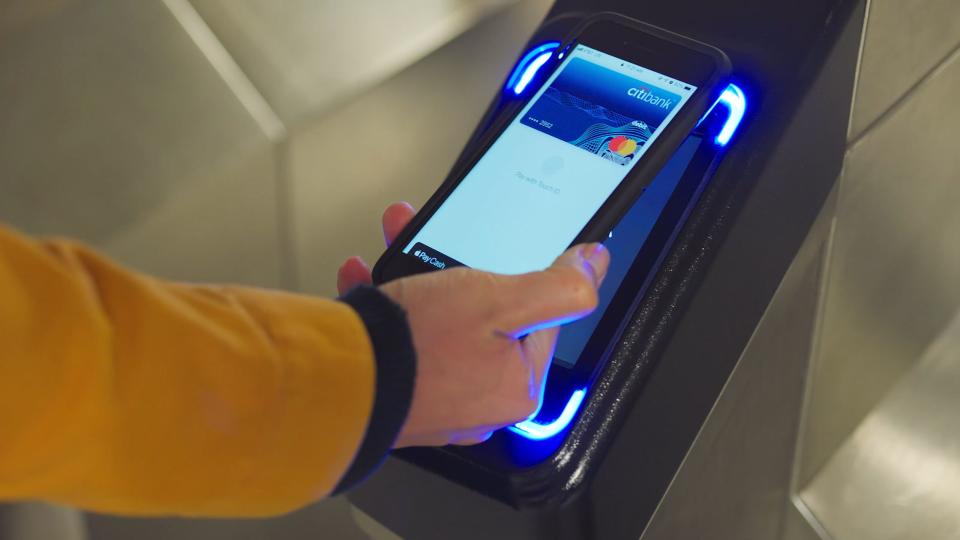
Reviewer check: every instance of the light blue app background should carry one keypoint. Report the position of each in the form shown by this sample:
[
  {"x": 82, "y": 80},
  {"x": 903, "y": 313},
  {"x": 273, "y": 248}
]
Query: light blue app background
[{"x": 535, "y": 188}]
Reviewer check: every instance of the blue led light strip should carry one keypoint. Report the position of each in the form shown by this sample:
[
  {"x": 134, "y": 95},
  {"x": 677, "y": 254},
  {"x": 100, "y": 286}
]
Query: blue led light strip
[
  {"x": 732, "y": 98},
  {"x": 736, "y": 103},
  {"x": 529, "y": 65},
  {"x": 538, "y": 432}
]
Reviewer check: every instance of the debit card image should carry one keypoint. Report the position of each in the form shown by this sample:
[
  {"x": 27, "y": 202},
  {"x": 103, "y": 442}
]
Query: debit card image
[{"x": 601, "y": 111}]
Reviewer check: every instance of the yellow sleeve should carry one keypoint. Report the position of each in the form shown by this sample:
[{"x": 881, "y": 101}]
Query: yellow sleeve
[{"x": 122, "y": 393}]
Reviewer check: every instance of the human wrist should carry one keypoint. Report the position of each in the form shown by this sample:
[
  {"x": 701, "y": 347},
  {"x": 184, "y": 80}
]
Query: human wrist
[{"x": 396, "y": 367}]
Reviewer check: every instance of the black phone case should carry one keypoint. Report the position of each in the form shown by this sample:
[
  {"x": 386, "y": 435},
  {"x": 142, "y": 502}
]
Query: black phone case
[{"x": 636, "y": 180}]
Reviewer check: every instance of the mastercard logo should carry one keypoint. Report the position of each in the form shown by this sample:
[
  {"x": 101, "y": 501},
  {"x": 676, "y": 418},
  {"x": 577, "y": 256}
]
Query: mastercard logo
[{"x": 622, "y": 145}]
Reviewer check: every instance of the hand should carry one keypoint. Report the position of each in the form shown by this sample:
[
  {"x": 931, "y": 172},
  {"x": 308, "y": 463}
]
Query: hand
[
  {"x": 354, "y": 271},
  {"x": 474, "y": 372}
]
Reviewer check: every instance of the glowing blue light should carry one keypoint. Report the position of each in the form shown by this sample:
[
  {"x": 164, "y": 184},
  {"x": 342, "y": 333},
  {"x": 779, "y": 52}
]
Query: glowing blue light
[
  {"x": 529, "y": 65},
  {"x": 736, "y": 103},
  {"x": 530, "y": 72},
  {"x": 538, "y": 432}
]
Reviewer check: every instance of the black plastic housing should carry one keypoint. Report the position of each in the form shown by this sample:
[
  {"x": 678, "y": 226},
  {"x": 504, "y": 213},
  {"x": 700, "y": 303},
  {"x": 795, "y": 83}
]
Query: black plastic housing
[
  {"x": 796, "y": 62},
  {"x": 391, "y": 266},
  {"x": 526, "y": 473}
]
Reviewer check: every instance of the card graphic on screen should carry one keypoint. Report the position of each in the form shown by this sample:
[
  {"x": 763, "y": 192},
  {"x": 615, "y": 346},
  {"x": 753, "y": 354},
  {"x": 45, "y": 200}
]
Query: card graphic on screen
[
  {"x": 599, "y": 110},
  {"x": 531, "y": 192}
]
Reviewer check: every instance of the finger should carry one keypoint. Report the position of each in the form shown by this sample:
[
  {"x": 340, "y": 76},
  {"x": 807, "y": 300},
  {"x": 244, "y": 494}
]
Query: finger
[
  {"x": 538, "y": 349},
  {"x": 353, "y": 273},
  {"x": 473, "y": 439},
  {"x": 395, "y": 218},
  {"x": 562, "y": 293},
  {"x": 475, "y": 435}
]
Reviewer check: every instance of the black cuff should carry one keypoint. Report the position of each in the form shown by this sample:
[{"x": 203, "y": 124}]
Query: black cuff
[{"x": 396, "y": 360}]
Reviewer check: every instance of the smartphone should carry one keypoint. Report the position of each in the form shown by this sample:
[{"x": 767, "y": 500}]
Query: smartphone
[{"x": 620, "y": 99}]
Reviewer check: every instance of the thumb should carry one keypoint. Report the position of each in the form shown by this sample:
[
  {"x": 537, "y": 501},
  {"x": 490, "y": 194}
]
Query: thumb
[{"x": 562, "y": 293}]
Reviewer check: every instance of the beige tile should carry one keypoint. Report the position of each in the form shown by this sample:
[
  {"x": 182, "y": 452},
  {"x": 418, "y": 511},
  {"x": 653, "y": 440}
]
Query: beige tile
[
  {"x": 415, "y": 123},
  {"x": 116, "y": 130},
  {"x": 306, "y": 55},
  {"x": 893, "y": 279},
  {"x": 904, "y": 40}
]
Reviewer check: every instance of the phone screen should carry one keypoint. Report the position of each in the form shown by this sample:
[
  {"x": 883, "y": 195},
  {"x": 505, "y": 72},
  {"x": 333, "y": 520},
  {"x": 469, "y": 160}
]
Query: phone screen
[
  {"x": 625, "y": 242},
  {"x": 553, "y": 167}
]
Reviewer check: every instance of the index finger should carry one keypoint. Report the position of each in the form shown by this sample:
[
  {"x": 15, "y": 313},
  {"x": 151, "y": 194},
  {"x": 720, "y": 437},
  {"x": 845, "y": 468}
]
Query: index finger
[{"x": 560, "y": 294}]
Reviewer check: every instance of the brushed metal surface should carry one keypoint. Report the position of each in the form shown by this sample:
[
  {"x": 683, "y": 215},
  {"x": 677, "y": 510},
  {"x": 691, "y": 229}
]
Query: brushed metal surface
[
  {"x": 898, "y": 475},
  {"x": 330, "y": 519},
  {"x": 307, "y": 55},
  {"x": 40, "y": 521},
  {"x": 892, "y": 283},
  {"x": 17, "y": 15},
  {"x": 795, "y": 526},
  {"x": 735, "y": 480},
  {"x": 116, "y": 130},
  {"x": 904, "y": 40},
  {"x": 423, "y": 115}
]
